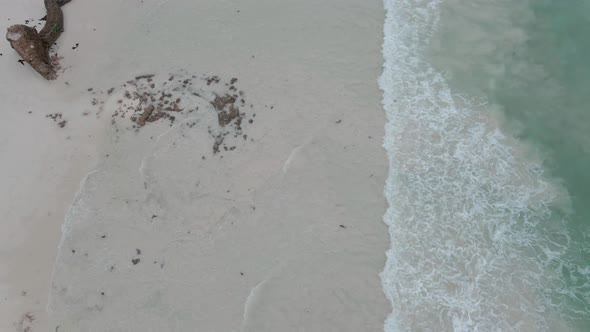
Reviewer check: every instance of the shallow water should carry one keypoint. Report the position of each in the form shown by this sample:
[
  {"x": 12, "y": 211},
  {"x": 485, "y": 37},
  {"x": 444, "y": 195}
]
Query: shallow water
[{"x": 488, "y": 144}]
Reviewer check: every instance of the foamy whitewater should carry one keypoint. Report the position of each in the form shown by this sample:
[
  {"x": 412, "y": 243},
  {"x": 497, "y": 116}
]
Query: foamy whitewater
[{"x": 475, "y": 242}]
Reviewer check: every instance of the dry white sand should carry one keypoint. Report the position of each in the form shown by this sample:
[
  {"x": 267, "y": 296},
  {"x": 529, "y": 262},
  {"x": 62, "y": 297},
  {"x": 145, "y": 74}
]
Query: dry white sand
[{"x": 282, "y": 234}]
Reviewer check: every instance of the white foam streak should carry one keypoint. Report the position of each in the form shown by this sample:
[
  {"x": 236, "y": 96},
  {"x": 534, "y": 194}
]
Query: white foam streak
[
  {"x": 466, "y": 201},
  {"x": 66, "y": 227}
]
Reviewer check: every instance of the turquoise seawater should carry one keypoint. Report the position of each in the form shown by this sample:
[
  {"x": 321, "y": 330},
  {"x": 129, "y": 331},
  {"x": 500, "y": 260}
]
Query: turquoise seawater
[
  {"x": 554, "y": 116},
  {"x": 488, "y": 135}
]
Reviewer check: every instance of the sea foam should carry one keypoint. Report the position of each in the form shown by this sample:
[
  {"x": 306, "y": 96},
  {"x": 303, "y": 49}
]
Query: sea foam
[{"x": 474, "y": 243}]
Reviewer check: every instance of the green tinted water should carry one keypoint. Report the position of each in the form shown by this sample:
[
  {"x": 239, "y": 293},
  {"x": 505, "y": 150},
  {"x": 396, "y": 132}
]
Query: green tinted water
[
  {"x": 554, "y": 113},
  {"x": 531, "y": 60}
]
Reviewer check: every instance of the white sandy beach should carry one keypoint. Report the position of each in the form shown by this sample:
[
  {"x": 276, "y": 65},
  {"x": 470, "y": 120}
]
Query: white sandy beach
[{"x": 284, "y": 233}]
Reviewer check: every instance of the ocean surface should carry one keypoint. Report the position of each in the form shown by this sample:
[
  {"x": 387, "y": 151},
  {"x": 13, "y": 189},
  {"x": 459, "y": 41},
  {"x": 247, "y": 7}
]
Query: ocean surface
[{"x": 488, "y": 137}]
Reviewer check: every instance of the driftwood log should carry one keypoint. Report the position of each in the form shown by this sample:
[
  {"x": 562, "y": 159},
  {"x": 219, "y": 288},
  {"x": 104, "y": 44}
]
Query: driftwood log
[{"x": 34, "y": 46}]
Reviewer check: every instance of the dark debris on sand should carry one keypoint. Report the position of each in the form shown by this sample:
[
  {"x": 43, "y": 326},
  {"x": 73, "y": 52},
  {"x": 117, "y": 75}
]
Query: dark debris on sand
[
  {"x": 145, "y": 100},
  {"x": 57, "y": 118}
]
